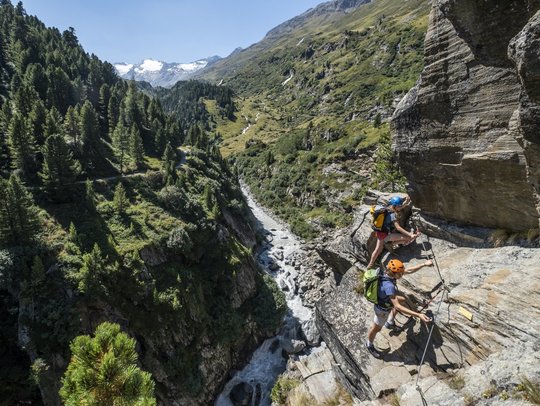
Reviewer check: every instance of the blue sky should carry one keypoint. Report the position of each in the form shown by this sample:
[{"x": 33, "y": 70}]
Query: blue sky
[{"x": 167, "y": 30}]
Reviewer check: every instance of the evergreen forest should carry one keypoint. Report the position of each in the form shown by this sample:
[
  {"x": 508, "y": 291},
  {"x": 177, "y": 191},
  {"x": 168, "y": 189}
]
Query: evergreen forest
[{"x": 113, "y": 210}]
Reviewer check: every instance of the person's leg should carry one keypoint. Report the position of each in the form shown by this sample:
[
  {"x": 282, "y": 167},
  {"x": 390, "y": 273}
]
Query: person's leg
[
  {"x": 378, "y": 322},
  {"x": 398, "y": 238},
  {"x": 376, "y": 252},
  {"x": 372, "y": 333}
]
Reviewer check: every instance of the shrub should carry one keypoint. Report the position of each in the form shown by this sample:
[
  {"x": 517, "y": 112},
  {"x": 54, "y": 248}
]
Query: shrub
[{"x": 281, "y": 389}]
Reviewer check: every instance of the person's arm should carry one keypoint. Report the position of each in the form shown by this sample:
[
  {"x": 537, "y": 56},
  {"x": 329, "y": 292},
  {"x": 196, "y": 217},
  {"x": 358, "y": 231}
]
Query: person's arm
[
  {"x": 414, "y": 268},
  {"x": 405, "y": 310},
  {"x": 405, "y": 232}
]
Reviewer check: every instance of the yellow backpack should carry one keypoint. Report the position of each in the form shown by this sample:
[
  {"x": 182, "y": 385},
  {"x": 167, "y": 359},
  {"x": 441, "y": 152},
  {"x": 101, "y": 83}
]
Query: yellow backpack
[{"x": 378, "y": 214}]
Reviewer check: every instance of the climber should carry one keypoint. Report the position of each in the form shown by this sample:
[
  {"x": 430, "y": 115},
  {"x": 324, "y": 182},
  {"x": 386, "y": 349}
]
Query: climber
[
  {"x": 389, "y": 302},
  {"x": 390, "y": 226}
]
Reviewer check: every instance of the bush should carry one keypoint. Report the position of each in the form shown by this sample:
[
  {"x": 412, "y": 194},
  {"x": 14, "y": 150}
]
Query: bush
[
  {"x": 281, "y": 389},
  {"x": 180, "y": 241}
]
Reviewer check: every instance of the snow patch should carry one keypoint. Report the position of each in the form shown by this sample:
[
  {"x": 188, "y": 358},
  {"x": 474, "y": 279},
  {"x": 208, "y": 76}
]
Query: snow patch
[
  {"x": 193, "y": 66},
  {"x": 149, "y": 65},
  {"x": 123, "y": 68},
  {"x": 302, "y": 40}
]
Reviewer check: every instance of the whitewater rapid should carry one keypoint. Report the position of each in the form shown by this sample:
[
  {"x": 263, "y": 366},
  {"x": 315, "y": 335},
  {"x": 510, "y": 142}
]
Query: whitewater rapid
[{"x": 267, "y": 362}]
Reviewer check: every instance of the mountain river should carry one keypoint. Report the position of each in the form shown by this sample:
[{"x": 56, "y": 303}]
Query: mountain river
[{"x": 256, "y": 380}]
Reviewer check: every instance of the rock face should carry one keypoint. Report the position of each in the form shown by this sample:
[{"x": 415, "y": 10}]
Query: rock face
[
  {"x": 499, "y": 289},
  {"x": 467, "y": 136}
]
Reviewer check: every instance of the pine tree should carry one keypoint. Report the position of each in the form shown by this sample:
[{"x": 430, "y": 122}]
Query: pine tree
[
  {"x": 21, "y": 145},
  {"x": 36, "y": 77},
  {"x": 19, "y": 218},
  {"x": 89, "y": 128},
  {"x": 121, "y": 144},
  {"x": 103, "y": 371},
  {"x": 72, "y": 128},
  {"x": 136, "y": 149},
  {"x": 73, "y": 234},
  {"x": 160, "y": 141},
  {"x": 104, "y": 96},
  {"x": 120, "y": 200},
  {"x": 92, "y": 271},
  {"x": 60, "y": 93},
  {"x": 24, "y": 98},
  {"x": 53, "y": 123},
  {"x": 59, "y": 168},
  {"x": 89, "y": 196},
  {"x": 113, "y": 112},
  {"x": 37, "y": 119},
  {"x": 168, "y": 162}
]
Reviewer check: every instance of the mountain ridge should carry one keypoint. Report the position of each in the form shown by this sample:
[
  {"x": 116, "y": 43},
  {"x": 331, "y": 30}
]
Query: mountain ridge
[{"x": 160, "y": 73}]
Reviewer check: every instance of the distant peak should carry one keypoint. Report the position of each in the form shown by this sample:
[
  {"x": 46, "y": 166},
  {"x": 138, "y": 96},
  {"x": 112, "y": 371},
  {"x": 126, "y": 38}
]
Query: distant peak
[{"x": 150, "y": 65}]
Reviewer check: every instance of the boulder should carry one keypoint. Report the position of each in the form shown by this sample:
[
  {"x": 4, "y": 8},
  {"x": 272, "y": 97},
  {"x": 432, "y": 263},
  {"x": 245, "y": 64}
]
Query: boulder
[
  {"x": 481, "y": 326},
  {"x": 468, "y": 156}
]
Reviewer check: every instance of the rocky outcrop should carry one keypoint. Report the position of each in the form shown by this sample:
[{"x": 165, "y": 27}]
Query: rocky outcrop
[
  {"x": 466, "y": 136},
  {"x": 485, "y": 322}
]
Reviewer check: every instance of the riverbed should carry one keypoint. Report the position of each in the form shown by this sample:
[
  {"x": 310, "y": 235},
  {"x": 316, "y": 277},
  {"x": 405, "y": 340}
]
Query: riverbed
[{"x": 298, "y": 332}]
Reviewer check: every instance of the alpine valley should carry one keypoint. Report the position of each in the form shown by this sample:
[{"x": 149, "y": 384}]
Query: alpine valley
[{"x": 196, "y": 233}]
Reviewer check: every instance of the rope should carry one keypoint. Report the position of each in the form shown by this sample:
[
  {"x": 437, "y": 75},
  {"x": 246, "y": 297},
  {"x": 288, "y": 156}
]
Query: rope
[
  {"x": 428, "y": 340},
  {"x": 434, "y": 258},
  {"x": 442, "y": 288}
]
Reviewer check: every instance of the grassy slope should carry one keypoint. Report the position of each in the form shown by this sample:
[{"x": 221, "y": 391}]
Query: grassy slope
[{"x": 344, "y": 70}]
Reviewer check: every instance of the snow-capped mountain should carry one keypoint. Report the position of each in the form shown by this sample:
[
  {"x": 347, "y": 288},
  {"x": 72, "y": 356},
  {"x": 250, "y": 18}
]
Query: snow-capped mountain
[{"x": 159, "y": 73}]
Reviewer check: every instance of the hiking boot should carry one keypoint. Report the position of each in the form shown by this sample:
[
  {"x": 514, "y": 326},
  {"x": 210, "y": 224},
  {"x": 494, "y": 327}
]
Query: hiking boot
[
  {"x": 390, "y": 324},
  {"x": 373, "y": 351}
]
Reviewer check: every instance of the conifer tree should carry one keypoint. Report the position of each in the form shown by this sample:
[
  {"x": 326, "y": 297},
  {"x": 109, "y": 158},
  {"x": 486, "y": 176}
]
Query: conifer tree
[
  {"x": 113, "y": 112},
  {"x": 103, "y": 371},
  {"x": 89, "y": 128},
  {"x": 21, "y": 145},
  {"x": 121, "y": 144},
  {"x": 93, "y": 269},
  {"x": 36, "y": 77},
  {"x": 168, "y": 162},
  {"x": 120, "y": 200},
  {"x": 160, "y": 141},
  {"x": 60, "y": 93},
  {"x": 73, "y": 234},
  {"x": 59, "y": 168},
  {"x": 19, "y": 219},
  {"x": 24, "y": 98},
  {"x": 104, "y": 96},
  {"x": 136, "y": 149},
  {"x": 89, "y": 196},
  {"x": 37, "y": 119},
  {"x": 53, "y": 123},
  {"x": 72, "y": 128}
]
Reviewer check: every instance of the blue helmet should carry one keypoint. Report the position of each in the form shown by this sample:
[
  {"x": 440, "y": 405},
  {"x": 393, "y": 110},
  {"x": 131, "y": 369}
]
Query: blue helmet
[{"x": 396, "y": 201}]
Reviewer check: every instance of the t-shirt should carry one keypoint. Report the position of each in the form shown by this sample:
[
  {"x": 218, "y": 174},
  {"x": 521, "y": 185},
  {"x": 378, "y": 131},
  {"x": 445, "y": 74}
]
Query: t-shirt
[
  {"x": 388, "y": 224},
  {"x": 387, "y": 289}
]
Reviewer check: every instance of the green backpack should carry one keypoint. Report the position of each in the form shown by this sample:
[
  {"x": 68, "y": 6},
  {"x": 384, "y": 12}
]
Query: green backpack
[{"x": 371, "y": 280}]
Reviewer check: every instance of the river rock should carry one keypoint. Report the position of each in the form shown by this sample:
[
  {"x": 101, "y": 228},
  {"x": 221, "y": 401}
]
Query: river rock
[
  {"x": 241, "y": 394},
  {"x": 311, "y": 333},
  {"x": 291, "y": 346}
]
